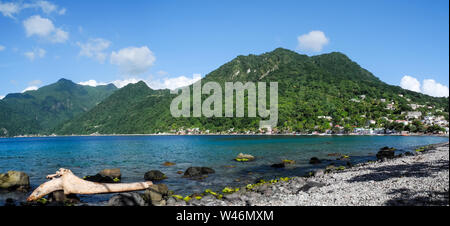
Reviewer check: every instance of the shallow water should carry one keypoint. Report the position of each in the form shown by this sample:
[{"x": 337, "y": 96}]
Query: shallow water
[{"x": 135, "y": 155}]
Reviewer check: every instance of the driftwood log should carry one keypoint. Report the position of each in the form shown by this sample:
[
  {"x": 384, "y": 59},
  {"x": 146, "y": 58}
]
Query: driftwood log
[{"x": 65, "y": 180}]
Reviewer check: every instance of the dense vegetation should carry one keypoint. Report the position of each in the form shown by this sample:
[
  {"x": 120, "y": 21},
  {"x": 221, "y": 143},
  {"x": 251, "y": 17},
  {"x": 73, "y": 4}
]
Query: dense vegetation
[
  {"x": 309, "y": 87},
  {"x": 39, "y": 111}
]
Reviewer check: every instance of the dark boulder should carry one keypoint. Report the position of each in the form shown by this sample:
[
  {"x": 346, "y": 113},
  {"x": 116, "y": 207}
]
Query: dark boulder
[
  {"x": 154, "y": 175},
  {"x": 314, "y": 160},
  {"x": 10, "y": 202},
  {"x": 386, "y": 153},
  {"x": 193, "y": 172},
  {"x": 207, "y": 170},
  {"x": 156, "y": 194},
  {"x": 106, "y": 176},
  {"x": 60, "y": 197},
  {"x": 126, "y": 199},
  {"x": 278, "y": 165}
]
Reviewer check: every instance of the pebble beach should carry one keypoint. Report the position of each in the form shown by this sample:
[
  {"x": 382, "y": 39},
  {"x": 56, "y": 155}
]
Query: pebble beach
[{"x": 416, "y": 180}]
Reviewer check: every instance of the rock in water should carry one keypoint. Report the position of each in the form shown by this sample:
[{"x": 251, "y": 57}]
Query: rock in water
[
  {"x": 168, "y": 163},
  {"x": 154, "y": 175},
  {"x": 278, "y": 165},
  {"x": 106, "y": 176},
  {"x": 126, "y": 199},
  {"x": 244, "y": 157},
  {"x": 207, "y": 170},
  {"x": 197, "y": 171},
  {"x": 112, "y": 173},
  {"x": 15, "y": 180},
  {"x": 156, "y": 193},
  {"x": 314, "y": 160},
  {"x": 386, "y": 152}
]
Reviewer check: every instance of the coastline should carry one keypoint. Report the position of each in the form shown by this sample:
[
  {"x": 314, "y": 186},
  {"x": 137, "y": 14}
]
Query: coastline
[
  {"x": 287, "y": 134},
  {"x": 419, "y": 179}
]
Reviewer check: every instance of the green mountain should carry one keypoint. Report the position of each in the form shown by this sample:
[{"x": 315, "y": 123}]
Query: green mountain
[
  {"x": 131, "y": 109},
  {"x": 39, "y": 111},
  {"x": 309, "y": 87}
]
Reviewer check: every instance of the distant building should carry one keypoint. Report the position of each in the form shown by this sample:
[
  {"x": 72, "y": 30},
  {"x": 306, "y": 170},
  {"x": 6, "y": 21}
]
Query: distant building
[{"x": 413, "y": 114}]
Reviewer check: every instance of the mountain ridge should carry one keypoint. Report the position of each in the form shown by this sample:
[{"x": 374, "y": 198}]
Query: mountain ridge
[
  {"x": 37, "y": 111},
  {"x": 309, "y": 87}
]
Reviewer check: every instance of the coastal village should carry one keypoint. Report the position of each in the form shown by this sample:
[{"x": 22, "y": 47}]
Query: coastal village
[{"x": 434, "y": 120}]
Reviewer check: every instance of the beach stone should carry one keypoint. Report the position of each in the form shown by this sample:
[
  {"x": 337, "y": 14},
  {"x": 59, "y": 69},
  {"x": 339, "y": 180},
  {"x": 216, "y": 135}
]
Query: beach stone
[
  {"x": 311, "y": 184},
  {"x": 15, "y": 181},
  {"x": 10, "y": 202},
  {"x": 278, "y": 165},
  {"x": 314, "y": 160},
  {"x": 113, "y": 173},
  {"x": 231, "y": 197},
  {"x": 168, "y": 163},
  {"x": 155, "y": 194},
  {"x": 171, "y": 201},
  {"x": 386, "y": 153},
  {"x": 319, "y": 173},
  {"x": 197, "y": 171},
  {"x": 154, "y": 175},
  {"x": 59, "y": 196},
  {"x": 408, "y": 153},
  {"x": 245, "y": 156},
  {"x": 126, "y": 199},
  {"x": 207, "y": 170},
  {"x": 106, "y": 176}
]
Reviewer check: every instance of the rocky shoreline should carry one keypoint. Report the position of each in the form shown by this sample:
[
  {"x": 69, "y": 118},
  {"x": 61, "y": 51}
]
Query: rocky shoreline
[
  {"x": 409, "y": 178},
  {"x": 421, "y": 178}
]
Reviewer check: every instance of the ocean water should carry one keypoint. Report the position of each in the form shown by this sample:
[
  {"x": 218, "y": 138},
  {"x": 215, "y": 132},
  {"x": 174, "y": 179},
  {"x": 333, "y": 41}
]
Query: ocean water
[{"x": 135, "y": 155}]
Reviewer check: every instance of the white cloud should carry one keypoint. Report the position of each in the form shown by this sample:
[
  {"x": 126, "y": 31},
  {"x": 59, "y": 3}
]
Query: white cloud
[
  {"x": 164, "y": 83},
  {"x": 60, "y": 36},
  {"x": 313, "y": 41},
  {"x": 92, "y": 83},
  {"x": 410, "y": 83},
  {"x": 133, "y": 60},
  {"x": 30, "y": 88},
  {"x": 36, "y": 25},
  {"x": 8, "y": 9},
  {"x": 94, "y": 48},
  {"x": 62, "y": 11},
  {"x": 433, "y": 88},
  {"x": 1, "y": 97},
  {"x": 428, "y": 86},
  {"x": 122, "y": 83},
  {"x": 173, "y": 83},
  {"x": 47, "y": 7},
  {"x": 2, "y": 48},
  {"x": 37, "y": 52},
  {"x": 44, "y": 28}
]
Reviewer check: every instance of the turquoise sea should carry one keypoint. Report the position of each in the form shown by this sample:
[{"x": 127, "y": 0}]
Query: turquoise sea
[{"x": 135, "y": 155}]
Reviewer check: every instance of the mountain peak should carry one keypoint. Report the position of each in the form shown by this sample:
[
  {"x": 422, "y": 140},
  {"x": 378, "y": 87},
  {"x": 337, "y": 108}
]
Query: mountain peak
[{"x": 63, "y": 80}]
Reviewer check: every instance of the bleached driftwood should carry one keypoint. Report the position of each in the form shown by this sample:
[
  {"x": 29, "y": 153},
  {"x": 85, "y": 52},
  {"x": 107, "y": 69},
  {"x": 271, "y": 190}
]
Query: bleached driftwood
[{"x": 65, "y": 180}]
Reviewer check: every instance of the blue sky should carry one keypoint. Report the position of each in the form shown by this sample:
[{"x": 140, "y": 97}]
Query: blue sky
[{"x": 171, "y": 43}]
